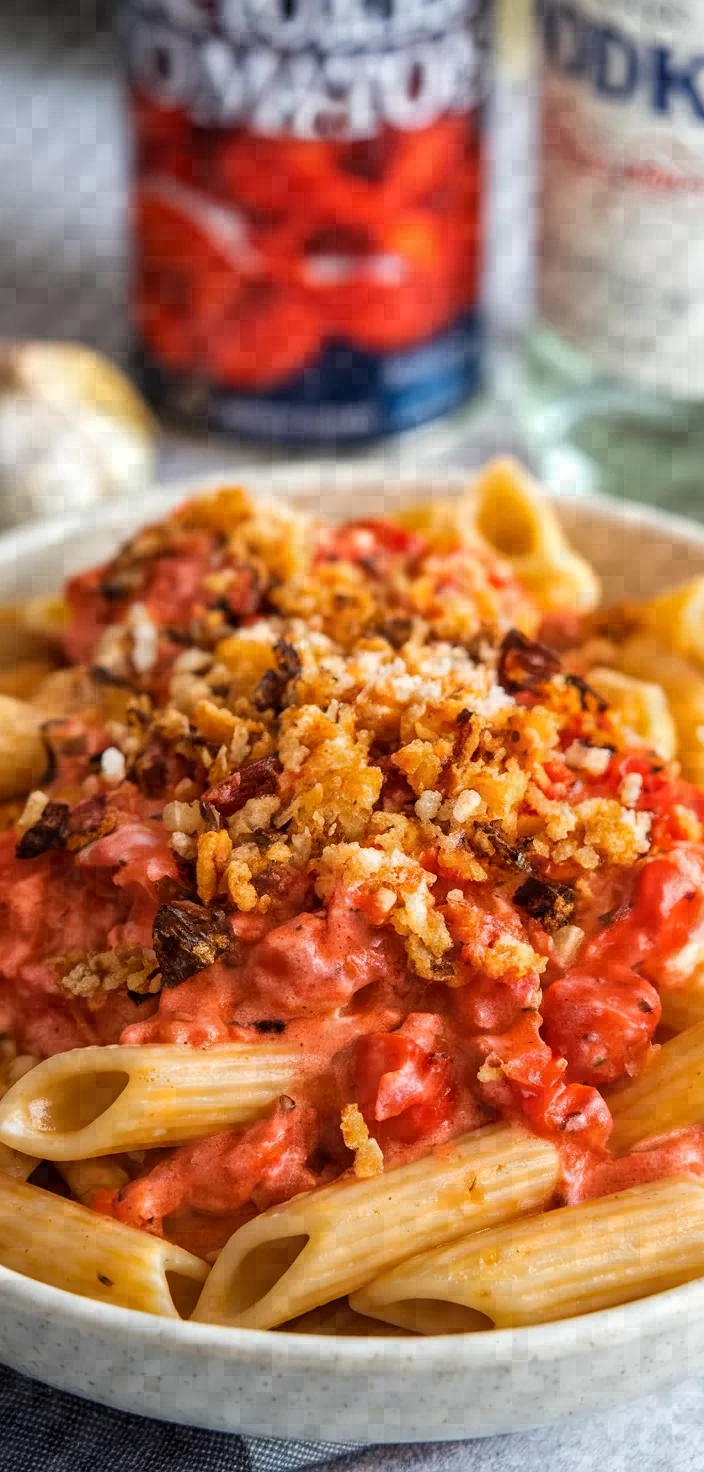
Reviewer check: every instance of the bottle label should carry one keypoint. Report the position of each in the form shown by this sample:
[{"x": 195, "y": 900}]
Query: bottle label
[
  {"x": 622, "y": 220},
  {"x": 307, "y": 209}
]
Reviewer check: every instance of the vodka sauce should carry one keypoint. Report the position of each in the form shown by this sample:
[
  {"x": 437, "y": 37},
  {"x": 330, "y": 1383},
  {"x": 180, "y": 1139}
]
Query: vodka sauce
[{"x": 363, "y": 810}]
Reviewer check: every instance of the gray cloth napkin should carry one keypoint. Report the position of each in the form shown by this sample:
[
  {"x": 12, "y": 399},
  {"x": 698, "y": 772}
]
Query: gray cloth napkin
[{"x": 43, "y": 1430}]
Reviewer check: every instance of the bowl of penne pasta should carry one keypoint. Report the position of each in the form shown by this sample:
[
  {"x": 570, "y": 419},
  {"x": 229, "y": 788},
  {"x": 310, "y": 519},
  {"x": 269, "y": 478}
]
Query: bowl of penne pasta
[{"x": 352, "y": 980}]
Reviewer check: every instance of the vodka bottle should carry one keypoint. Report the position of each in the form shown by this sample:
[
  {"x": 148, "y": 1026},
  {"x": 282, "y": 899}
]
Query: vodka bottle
[{"x": 614, "y": 398}]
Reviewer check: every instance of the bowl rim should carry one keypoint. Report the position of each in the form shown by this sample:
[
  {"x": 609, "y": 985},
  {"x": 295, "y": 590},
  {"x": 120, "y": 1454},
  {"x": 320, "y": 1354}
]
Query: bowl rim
[
  {"x": 502, "y": 1348},
  {"x": 546, "y": 1342},
  {"x": 305, "y": 482}
]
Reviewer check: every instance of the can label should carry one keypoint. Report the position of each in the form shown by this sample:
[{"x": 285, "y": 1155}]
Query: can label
[
  {"x": 622, "y": 249},
  {"x": 307, "y": 210}
]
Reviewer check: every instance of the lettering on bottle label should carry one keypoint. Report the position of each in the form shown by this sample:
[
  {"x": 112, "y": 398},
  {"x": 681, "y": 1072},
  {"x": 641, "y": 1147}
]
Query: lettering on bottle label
[
  {"x": 622, "y": 219},
  {"x": 311, "y": 69}
]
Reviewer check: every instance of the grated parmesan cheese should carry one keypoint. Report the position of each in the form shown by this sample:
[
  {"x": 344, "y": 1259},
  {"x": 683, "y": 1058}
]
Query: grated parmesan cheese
[
  {"x": 466, "y": 806},
  {"x": 145, "y": 638},
  {"x": 112, "y": 766},
  {"x": 32, "y": 811},
  {"x": 591, "y": 759},
  {"x": 428, "y": 805}
]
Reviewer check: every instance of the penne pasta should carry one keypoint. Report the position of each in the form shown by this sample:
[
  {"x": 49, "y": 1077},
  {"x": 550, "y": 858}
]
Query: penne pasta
[
  {"x": 668, "y": 1095},
  {"x": 67, "y": 1246},
  {"x": 98, "y": 1101},
  {"x": 565, "y": 1263},
  {"x": 13, "y": 1163},
  {"x": 683, "y": 685},
  {"x": 340, "y": 1320},
  {"x": 323, "y": 1245},
  {"x": 85, "y": 1177},
  {"x": 31, "y": 629},
  {"x": 513, "y": 517},
  {"x": 676, "y": 618},
  {"x": 642, "y": 706},
  {"x": 684, "y": 1007},
  {"x": 22, "y": 681},
  {"x": 23, "y": 755}
]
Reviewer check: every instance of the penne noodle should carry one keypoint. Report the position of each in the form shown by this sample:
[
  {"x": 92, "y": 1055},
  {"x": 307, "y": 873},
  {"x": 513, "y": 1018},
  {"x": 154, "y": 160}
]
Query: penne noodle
[
  {"x": 67, "y": 1246},
  {"x": 327, "y": 1243},
  {"x": 22, "y": 681},
  {"x": 513, "y": 517},
  {"x": 85, "y": 1177},
  {"x": 340, "y": 1320},
  {"x": 683, "y": 685},
  {"x": 13, "y": 1163},
  {"x": 555, "y": 1266},
  {"x": 23, "y": 754},
  {"x": 668, "y": 1095},
  {"x": 99, "y": 1101},
  {"x": 676, "y": 618},
  {"x": 642, "y": 706},
  {"x": 683, "y": 1007},
  {"x": 31, "y": 629}
]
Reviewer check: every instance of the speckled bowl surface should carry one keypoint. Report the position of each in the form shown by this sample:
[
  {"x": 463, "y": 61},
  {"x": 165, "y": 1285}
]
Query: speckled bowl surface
[{"x": 316, "y": 1387}]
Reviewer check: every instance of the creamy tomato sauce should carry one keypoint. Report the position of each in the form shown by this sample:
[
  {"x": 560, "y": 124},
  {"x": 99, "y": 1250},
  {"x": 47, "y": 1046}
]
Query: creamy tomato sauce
[{"x": 440, "y": 960}]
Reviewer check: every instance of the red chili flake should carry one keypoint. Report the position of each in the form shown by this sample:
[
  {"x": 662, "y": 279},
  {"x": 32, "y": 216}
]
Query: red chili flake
[
  {"x": 50, "y": 832},
  {"x": 254, "y": 779},
  {"x": 524, "y": 662}
]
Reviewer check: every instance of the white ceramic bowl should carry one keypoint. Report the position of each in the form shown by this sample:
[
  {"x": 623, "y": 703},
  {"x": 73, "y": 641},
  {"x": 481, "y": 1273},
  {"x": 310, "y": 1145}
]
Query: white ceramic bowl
[{"x": 319, "y": 1388}]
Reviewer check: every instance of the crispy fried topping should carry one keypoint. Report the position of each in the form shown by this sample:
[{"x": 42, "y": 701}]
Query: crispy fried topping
[
  {"x": 368, "y": 1159},
  {"x": 133, "y": 968}
]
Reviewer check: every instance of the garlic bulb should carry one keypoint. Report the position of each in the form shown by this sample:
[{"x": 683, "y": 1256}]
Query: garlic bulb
[{"x": 73, "y": 431}]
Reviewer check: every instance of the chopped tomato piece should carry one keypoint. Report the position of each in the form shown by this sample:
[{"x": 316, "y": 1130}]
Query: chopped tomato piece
[
  {"x": 602, "y": 1025},
  {"x": 403, "y": 1091},
  {"x": 662, "y": 931}
]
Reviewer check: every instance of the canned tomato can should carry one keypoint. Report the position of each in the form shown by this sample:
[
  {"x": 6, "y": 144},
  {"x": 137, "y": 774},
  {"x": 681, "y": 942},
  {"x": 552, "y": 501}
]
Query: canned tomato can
[{"x": 306, "y": 212}]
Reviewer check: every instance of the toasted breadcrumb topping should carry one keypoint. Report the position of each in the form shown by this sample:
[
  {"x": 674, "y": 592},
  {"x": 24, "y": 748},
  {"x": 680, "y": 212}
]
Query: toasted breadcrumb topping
[
  {"x": 343, "y": 688},
  {"x": 368, "y": 1158},
  {"x": 134, "y": 968}
]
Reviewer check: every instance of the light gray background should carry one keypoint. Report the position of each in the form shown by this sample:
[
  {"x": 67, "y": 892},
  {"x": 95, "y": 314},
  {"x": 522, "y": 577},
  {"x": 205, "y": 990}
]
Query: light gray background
[{"x": 62, "y": 274}]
